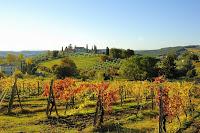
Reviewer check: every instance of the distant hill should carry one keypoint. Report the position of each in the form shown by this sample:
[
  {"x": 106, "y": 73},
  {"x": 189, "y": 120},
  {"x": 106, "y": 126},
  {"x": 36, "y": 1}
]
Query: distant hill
[
  {"x": 163, "y": 51},
  {"x": 25, "y": 53},
  {"x": 157, "y": 52}
]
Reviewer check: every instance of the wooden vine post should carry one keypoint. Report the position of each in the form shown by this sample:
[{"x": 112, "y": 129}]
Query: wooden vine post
[
  {"x": 121, "y": 92},
  {"x": 14, "y": 91},
  {"x": 51, "y": 102},
  {"x": 152, "y": 98},
  {"x": 99, "y": 111},
  {"x": 38, "y": 86},
  {"x": 161, "y": 110}
]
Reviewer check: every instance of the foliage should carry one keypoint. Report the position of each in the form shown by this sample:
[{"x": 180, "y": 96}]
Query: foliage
[
  {"x": 67, "y": 68},
  {"x": 18, "y": 74},
  {"x": 139, "y": 68},
  {"x": 191, "y": 73},
  {"x": 20, "y": 57},
  {"x": 121, "y": 53},
  {"x": 115, "y": 53},
  {"x": 107, "y": 51},
  {"x": 11, "y": 58},
  {"x": 187, "y": 68},
  {"x": 169, "y": 66},
  {"x": 55, "y": 53},
  {"x": 30, "y": 66},
  {"x": 128, "y": 53},
  {"x": 190, "y": 55},
  {"x": 179, "y": 99},
  {"x": 95, "y": 49},
  {"x": 104, "y": 58},
  {"x": 1, "y": 75}
]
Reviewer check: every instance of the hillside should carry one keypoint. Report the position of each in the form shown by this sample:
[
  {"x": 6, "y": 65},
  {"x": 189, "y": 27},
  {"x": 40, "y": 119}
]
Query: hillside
[
  {"x": 25, "y": 53},
  {"x": 163, "y": 51},
  {"x": 81, "y": 61}
]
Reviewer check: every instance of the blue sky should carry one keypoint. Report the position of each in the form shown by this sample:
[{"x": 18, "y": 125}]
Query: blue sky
[{"x": 135, "y": 24}]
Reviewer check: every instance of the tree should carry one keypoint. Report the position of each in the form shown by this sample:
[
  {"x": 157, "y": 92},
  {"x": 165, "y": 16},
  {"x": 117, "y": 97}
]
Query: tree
[
  {"x": 128, "y": 53},
  {"x": 1, "y": 75},
  {"x": 1, "y": 60},
  {"x": 115, "y": 53},
  {"x": 18, "y": 74},
  {"x": 169, "y": 66},
  {"x": 29, "y": 61},
  {"x": 66, "y": 48},
  {"x": 190, "y": 55},
  {"x": 139, "y": 68},
  {"x": 107, "y": 51},
  {"x": 55, "y": 53},
  {"x": 195, "y": 57},
  {"x": 66, "y": 69},
  {"x": 21, "y": 60},
  {"x": 95, "y": 49},
  {"x": 188, "y": 68},
  {"x": 20, "y": 57},
  {"x": 86, "y": 47},
  {"x": 30, "y": 66},
  {"x": 11, "y": 58},
  {"x": 191, "y": 73},
  {"x": 48, "y": 53}
]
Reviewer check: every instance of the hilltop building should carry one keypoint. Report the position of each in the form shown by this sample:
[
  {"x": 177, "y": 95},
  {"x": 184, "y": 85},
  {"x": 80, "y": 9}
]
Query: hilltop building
[
  {"x": 101, "y": 51},
  {"x": 80, "y": 49},
  {"x": 76, "y": 49}
]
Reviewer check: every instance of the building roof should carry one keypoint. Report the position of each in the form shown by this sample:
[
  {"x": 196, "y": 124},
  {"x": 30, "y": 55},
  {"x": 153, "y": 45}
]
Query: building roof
[
  {"x": 79, "y": 47},
  {"x": 101, "y": 49},
  {"x": 5, "y": 65}
]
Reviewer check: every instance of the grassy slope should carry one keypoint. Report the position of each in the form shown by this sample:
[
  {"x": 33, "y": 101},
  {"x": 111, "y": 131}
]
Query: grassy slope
[
  {"x": 197, "y": 64},
  {"x": 196, "y": 51},
  {"x": 81, "y": 61}
]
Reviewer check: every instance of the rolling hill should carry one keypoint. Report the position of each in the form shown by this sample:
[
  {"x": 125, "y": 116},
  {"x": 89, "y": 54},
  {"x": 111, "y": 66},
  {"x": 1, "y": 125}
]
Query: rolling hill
[
  {"x": 163, "y": 51},
  {"x": 25, "y": 53}
]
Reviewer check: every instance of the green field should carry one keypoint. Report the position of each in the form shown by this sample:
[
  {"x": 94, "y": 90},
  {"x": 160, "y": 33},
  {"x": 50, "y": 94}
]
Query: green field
[{"x": 81, "y": 61}]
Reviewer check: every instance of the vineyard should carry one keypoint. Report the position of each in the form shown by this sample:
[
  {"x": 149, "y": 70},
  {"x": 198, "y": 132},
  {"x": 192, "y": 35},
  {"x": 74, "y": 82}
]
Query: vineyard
[{"x": 89, "y": 106}]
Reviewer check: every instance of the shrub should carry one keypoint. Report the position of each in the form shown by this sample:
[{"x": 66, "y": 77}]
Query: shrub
[
  {"x": 66, "y": 69},
  {"x": 139, "y": 68},
  {"x": 1, "y": 75},
  {"x": 191, "y": 73},
  {"x": 104, "y": 58},
  {"x": 18, "y": 74}
]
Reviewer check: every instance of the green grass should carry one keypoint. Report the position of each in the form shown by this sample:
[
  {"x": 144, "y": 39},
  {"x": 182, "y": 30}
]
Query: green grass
[
  {"x": 81, "y": 61},
  {"x": 50, "y": 63},
  {"x": 121, "y": 119},
  {"x": 28, "y": 123},
  {"x": 143, "y": 126}
]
